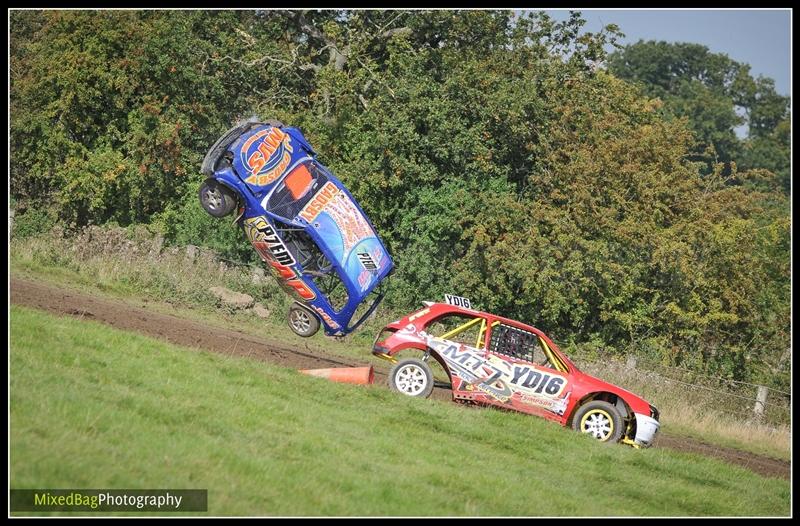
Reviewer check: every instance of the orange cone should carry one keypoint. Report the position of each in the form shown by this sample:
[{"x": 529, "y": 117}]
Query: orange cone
[{"x": 347, "y": 375}]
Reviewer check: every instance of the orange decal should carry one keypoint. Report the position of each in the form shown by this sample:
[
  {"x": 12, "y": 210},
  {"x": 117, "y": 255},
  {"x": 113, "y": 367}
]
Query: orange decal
[
  {"x": 270, "y": 176},
  {"x": 284, "y": 271},
  {"x": 274, "y": 150},
  {"x": 302, "y": 289},
  {"x": 323, "y": 197},
  {"x": 298, "y": 181}
]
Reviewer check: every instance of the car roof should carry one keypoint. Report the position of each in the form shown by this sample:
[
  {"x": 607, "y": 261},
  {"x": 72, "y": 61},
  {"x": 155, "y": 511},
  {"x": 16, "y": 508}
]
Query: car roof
[{"x": 447, "y": 307}]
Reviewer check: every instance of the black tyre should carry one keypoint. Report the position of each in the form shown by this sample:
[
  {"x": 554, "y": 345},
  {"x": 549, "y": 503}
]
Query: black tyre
[
  {"x": 302, "y": 321},
  {"x": 600, "y": 420},
  {"x": 216, "y": 199},
  {"x": 412, "y": 377}
]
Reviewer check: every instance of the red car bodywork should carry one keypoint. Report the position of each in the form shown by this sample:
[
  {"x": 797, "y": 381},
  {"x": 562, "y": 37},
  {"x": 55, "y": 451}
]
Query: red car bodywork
[{"x": 553, "y": 393}]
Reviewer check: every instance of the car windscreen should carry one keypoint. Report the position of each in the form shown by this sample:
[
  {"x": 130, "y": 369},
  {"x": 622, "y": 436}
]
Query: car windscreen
[{"x": 296, "y": 190}]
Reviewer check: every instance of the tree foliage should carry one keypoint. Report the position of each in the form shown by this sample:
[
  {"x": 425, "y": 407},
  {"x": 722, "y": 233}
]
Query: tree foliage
[
  {"x": 494, "y": 153},
  {"x": 717, "y": 95}
]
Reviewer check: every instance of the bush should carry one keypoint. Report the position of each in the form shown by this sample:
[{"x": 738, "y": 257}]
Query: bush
[
  {"x": 188, "y": 224},
  {"x": 33, "y": 221}
]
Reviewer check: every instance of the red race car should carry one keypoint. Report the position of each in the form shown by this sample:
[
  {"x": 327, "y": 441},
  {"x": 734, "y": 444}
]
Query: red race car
[{"x": 501, "y": 362}]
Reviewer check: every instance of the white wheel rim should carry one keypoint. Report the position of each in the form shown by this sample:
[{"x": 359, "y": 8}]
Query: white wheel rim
[
  {"x": 597, "y": 425},
  {"x": 411, "y": 380},
  {"x": 301, "y": 322},
  {"x": 213, "y": 198}
]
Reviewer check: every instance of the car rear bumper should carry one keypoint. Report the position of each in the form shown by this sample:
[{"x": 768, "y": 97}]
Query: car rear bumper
[{"x": 646, "y": 430}]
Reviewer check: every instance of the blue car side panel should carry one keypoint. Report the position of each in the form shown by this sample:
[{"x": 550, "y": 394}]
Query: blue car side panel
[{"x": 283, "y": 186}]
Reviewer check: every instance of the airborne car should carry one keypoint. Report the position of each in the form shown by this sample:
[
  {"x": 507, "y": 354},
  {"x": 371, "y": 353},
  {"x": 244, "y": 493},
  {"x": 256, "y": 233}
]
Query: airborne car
[
  {"x": 301, "y": 220},
  {"x": 496, "y": 361}
]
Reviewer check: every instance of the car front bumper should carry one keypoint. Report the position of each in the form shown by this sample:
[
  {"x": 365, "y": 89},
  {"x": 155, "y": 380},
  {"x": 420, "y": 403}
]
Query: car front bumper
[{"x": 646, "y": 430}]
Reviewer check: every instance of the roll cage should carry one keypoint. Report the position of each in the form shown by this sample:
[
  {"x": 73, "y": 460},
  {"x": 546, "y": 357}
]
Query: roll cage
[{"x": 498, "y": 345}]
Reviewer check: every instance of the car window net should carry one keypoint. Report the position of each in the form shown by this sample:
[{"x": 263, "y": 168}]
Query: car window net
[{"x": 516, "y": 343}]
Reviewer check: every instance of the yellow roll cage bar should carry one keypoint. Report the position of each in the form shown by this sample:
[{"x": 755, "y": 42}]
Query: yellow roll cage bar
[{"x": 552, "y": 357}]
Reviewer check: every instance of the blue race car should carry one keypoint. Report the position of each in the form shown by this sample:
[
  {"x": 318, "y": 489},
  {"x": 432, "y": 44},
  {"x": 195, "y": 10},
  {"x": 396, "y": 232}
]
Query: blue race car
[{"x": 301, "y": 220}]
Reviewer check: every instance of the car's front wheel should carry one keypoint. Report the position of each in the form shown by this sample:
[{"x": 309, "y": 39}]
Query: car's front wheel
[
  {"x": 411, "y": 377},
  {"x": 216, "y": 199},
  {"x": 600, "y": 420}
]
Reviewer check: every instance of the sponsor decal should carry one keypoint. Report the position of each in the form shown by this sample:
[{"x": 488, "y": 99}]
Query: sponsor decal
[
  {"x": 318, "y": 202},
  {"x": 266, "y": 155},
  {"x": 267, "y": 242},
  {"x": 366, "y": 261},
  {"x": 537, "y": 381},
  {"x": 272, "y": 250},
  {"x": 419, "y": 314},
  {"x": 326, "y": 318},
  {"x": 341, "y": 209},
  {"x": 501, "y": 379},
  {"x": 377, "y": 257},
  {"x": 472, "y": 368},
  {"x": 364, "y": 279},
  {"x": 555, "y": 405},
  {"x": 409, "y": 329},
  {"x": 293, "y": 281}
]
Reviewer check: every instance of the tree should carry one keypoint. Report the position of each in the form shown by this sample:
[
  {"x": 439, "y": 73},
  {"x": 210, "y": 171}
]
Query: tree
[
  {"x": 717, "y": 95},
  {"x": 493, "y": 152}
]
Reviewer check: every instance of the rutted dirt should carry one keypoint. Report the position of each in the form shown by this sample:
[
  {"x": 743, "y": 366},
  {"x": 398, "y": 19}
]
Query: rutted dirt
[
  {"x": 180, "y": 331},
  {"x": 763, "y": 465}
]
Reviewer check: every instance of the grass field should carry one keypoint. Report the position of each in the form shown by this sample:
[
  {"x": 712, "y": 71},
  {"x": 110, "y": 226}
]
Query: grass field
[
  {"x": 94, "y": 407},
  {"x": 101, "y": 264}
]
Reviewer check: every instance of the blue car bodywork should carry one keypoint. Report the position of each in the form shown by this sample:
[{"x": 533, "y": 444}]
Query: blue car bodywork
[{"x": 302, "y": 221}]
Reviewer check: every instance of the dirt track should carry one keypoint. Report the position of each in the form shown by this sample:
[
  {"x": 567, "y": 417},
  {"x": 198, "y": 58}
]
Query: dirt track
[{"x": 123, "y": 315}]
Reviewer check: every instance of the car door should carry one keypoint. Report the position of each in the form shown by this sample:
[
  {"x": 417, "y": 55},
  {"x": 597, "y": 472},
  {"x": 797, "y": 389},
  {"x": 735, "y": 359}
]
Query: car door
[
  {"x": 538, "y": 381},
  {"x": 459, "y": 339}
]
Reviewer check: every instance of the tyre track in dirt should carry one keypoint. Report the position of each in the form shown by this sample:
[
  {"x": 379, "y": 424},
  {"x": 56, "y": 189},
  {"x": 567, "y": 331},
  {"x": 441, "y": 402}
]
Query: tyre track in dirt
[
  {"x": 763, "y": 465},
  {"x": 166, "y": 327},
  {"x": 181, "y": 331}
]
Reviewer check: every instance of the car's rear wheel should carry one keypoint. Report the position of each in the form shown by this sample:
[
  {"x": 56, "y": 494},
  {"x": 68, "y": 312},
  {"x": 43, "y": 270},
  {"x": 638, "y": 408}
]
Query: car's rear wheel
[
  {"x": 600, "y": 420},
  {"x": 302, "y": 321},
  {"x": 412, "y": 377},
  {"x": 216, "y": 199}
]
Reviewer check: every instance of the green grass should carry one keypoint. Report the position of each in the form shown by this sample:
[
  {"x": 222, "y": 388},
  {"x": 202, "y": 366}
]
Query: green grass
[
  {"x": 175, "y": 287},
  {"x": 167, "y": 291},
  {"x": 100, "y": 264},
  {"x": 95, "y": 407},
  {"x": 677, "y": 420}
]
